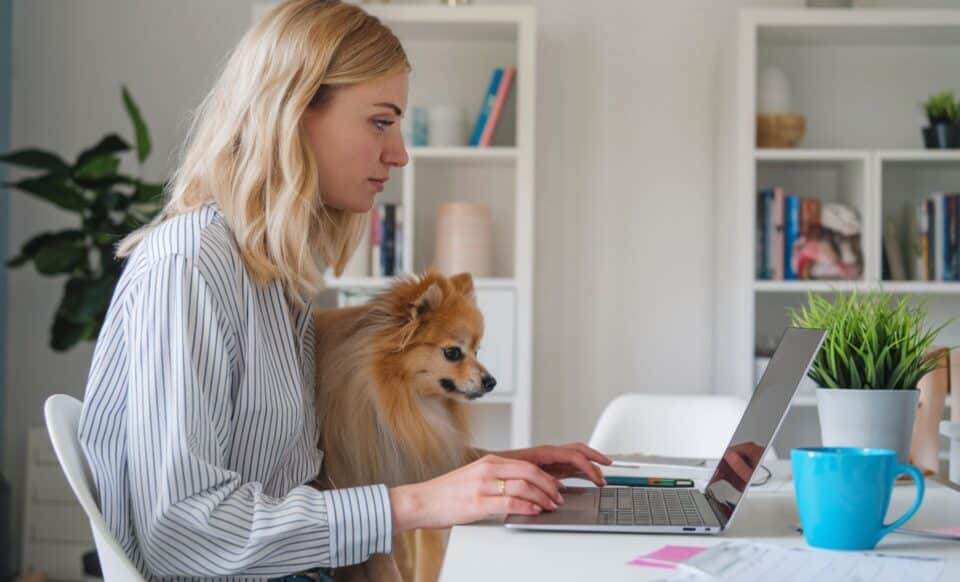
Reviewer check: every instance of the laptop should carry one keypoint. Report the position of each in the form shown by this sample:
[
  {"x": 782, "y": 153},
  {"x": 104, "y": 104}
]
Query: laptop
[{"x": 688, "y": 510}]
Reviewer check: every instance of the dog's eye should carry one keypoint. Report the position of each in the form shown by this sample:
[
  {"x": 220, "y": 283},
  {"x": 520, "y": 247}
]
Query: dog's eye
[{"x": 453, "y": 354}]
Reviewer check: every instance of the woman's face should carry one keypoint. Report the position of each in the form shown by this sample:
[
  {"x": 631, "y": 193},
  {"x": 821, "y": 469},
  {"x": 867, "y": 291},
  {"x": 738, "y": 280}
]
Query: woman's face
[{"x": 355, "y": 138}]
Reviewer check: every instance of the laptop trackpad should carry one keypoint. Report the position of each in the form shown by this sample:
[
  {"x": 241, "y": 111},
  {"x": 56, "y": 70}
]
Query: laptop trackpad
[{"x": 579, "y": 499}]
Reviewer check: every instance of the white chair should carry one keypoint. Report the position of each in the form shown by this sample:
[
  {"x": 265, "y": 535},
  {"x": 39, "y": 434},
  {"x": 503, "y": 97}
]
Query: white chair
[
  {"x": 62, "y": 414},
  {"x": 674, "y": 425}
]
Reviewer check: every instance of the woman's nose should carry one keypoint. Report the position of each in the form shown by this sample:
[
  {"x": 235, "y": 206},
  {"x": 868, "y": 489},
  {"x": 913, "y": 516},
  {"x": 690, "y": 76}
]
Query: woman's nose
[{"x": 395, "y": 154}]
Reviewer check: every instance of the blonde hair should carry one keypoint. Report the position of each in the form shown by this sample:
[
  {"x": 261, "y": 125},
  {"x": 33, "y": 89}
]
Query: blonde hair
[{"x": 245, "y": 150}]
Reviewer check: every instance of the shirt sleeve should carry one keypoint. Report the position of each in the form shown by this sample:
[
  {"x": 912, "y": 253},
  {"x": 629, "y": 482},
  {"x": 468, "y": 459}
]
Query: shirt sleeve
[{"x": 192, "y": 516}]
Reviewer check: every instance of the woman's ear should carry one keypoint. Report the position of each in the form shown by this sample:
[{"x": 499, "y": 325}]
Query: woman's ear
[{"x": 463, "y": 283}]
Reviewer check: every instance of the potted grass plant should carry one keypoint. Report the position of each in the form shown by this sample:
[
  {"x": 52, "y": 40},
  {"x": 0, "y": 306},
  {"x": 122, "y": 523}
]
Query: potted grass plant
[
  {"x": 943, "y": 112},
  {"x": 867, "y": 371}
]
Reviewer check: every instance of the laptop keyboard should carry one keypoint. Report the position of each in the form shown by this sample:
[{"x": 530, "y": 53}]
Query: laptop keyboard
[{"x": 648, "y": 506}]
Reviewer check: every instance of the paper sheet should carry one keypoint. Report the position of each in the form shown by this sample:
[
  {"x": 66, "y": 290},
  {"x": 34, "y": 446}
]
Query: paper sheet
[
  {"x": 666, "y": 557},
  {"x": 747, "y": 561}
]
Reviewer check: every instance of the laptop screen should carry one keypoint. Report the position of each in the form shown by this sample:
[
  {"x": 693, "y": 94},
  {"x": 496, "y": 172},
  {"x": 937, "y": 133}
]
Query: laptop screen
[{"x": 762, "y": 418}]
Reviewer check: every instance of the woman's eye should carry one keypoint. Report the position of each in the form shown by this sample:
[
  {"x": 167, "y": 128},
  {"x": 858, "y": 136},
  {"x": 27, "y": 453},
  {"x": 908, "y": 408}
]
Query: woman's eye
[
  {"x": 382, "y": 124},
  {"x": 453, "y": 354}
]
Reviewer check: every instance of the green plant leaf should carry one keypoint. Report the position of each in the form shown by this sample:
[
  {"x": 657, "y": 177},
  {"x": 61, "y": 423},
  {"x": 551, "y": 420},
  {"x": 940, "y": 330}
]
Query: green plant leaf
[
  {"x": 146, "y": 192},
  {"x": 64, "y": 334},
  {"x": 139, "y": 127},
  {"x": 60, "y": 256},
  {"x": 873, "y": 341},
  {"x": 97, "y": 168},
  {"x": 110, "y": 144},
  {"x": 38, "y": 159},
  {"x": 53, "y": 189},
  {"x": 30, "y": 248},
  {"x": 86, "y": 298}
]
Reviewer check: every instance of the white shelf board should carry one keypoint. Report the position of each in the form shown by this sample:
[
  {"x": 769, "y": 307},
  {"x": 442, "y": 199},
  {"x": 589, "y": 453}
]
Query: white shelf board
[
  {"x": 918, "y": 155},
  {"x": 861, "y": 26},
  {"x": 479, "y": 154},
  {"x": 375, "y": 283},
  {"x": 458, "y": 23},
  {"x": 897, "y": 287},
  {"x": 810, "y": 155}
]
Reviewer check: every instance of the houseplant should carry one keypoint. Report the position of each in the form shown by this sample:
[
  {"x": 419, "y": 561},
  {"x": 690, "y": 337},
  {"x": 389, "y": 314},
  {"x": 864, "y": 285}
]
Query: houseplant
[
  {"x": 943, "y": 112},
  {"x": 867, "y": 371},
  {"x": 108, "y": 203}
]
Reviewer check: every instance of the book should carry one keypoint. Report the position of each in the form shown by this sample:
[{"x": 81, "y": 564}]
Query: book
[
  {"x": 791, "y": 232},
  {"x": 936, "y": 222},
  {"x": 486, "y": 106},
  {"x": 503, "y": 89},
  {"x": 376, "y": 266},
  {"x": 891, "y": 248},
  {"x": 760, "y": 240},
  {"x": 778, "y": 205},
  {"x": 388, "y": 241}
]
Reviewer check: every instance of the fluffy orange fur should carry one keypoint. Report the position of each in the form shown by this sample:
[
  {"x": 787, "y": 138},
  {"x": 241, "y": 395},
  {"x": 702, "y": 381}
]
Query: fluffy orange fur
[{"x": 393, "y": 378}]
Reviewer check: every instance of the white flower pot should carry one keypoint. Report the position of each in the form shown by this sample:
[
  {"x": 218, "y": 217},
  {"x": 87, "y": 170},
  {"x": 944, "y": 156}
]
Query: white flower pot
[{"x": 881, "y": 419}]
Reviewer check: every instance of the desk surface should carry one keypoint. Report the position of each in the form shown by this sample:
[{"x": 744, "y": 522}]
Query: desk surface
[{"x": 488, "y": 551}]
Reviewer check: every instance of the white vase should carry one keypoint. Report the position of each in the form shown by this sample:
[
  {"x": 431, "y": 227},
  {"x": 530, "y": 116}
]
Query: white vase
[
  {"x": 878, "y": 419},
  {"x": 464, "y": 242},
  {"x": 773, "y": 91}
]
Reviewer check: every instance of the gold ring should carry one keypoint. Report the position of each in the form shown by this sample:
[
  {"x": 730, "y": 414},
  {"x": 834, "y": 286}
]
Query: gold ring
[{"x": 501, "y": 486}]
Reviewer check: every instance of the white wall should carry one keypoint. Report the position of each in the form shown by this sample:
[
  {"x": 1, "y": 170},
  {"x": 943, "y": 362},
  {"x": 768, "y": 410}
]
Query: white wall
[{"x": 627, "y": 127}]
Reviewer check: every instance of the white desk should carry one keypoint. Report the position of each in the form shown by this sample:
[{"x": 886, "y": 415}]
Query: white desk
[{"x": 488, "y": 551}]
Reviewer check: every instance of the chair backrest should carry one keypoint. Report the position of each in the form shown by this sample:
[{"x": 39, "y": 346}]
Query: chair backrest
[
  {"x": 62, "y": 415},
  {"x": 675, "y": 425}
]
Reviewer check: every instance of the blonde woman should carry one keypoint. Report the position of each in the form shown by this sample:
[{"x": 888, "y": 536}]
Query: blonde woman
[{"x": 198, "y": 420}]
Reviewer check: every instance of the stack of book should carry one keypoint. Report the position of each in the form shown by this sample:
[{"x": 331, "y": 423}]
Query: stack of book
[
  {"x": 492, "y": 106},
  {"x": 933, "y": 226},
  {"x": 793, "y": 243}
]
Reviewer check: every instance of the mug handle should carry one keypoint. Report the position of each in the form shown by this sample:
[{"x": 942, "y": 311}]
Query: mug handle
[{"x": 918, "y": 481}]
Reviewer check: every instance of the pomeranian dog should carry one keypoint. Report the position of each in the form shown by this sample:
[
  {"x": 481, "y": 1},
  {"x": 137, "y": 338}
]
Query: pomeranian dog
[{"x": 393, "y": 378}]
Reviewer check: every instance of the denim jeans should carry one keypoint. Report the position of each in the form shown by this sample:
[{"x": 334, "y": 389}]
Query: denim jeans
[{"x": 316, "y": 575}]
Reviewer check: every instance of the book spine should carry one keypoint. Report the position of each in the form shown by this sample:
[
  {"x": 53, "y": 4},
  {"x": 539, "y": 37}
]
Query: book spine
[
  {"x": 389, "y": 241},
  {"x": 767, "y": 234},
  {"x": 955, "y": 234},
  {"x": 778, "y": 195},
  {"x": 759, "y": 239},
  {"x": 936, "y": 221},
  {"x": 494, "y": 117},
  {"x": 486, "y": 106},
  {"x": 398, "y": 244},
  {"x": 376, "y": 240},
  {"x": 791, "y": 232},
  {"x": 928, "y": 249},
  {"x": 950, "y": 208}
]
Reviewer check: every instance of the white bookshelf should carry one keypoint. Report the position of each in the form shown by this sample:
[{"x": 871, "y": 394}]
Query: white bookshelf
[
  {"x": 860, "y": 77},
  {"x": 453, "y": 51}
]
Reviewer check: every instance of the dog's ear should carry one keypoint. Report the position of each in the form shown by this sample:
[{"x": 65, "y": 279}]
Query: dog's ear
[
  {"x": 427, "y": 300},
  {"x": 463, "y": 283}
]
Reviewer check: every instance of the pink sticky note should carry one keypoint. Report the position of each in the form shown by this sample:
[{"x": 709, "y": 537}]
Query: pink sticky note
[{"x": 662, "y": 557}]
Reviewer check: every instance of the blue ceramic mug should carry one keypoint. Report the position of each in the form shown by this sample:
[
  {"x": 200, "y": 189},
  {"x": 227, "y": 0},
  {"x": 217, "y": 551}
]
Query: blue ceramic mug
[{"x": 843, "y": 495}]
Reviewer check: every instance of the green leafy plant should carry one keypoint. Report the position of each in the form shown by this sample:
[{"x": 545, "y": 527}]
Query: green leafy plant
[
  {"x": 942, "y": 108},
  {"x": 109, "y": 205},
  {"x": 873, "y": 340}
]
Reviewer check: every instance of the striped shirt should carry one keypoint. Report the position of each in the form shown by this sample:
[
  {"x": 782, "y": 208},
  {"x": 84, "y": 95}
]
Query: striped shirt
[{"x": 199, "y": 423}]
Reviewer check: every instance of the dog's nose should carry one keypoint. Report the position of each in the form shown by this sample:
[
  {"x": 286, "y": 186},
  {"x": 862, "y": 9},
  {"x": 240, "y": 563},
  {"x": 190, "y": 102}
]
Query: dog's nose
[{"x": 488, "y": 383}]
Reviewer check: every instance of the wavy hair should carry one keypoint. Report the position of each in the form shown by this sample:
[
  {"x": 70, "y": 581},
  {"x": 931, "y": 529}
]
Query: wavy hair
[{"x": 246, "y": 152}]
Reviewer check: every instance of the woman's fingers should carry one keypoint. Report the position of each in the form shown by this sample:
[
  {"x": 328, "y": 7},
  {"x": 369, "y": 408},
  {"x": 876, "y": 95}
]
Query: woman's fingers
[
  {"x": 524, "y": 490},
  {"x": 579, "y": 460},
  {"x": 510, "y": 469},
  {"x": 592, "y": 454}
]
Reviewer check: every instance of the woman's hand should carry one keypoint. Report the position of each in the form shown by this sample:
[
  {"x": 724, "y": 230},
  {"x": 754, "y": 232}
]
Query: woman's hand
[
  {"x": 487, "y": 487},
  {"x": 573, "y": 460}
]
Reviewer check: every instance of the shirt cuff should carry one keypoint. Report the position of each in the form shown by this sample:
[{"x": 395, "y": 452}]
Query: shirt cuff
[{"x": 361, "y": 523}]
